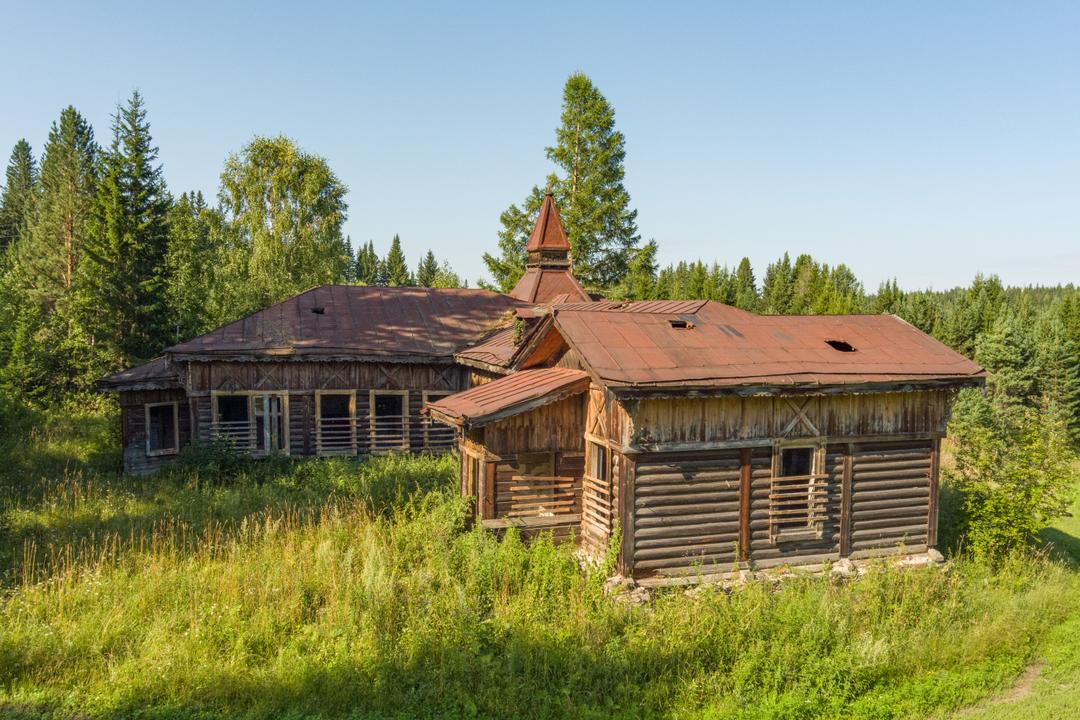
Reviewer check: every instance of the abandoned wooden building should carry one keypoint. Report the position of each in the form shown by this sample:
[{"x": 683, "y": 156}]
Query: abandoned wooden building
[
  {"x": 706, "y": 437},
  {"x": 711, "y": 437}
]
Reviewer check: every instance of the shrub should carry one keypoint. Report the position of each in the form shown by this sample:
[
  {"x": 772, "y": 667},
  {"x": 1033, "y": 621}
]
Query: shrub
[{"x": 1013, "y": 473}]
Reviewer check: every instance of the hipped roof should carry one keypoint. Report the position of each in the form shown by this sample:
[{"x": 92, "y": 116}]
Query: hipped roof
[
  {"x": 509, "y": 395},
  {"x": 351, "y": 320}
]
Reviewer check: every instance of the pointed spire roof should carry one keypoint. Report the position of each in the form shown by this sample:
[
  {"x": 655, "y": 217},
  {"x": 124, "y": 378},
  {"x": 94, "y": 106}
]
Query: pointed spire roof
[{"x": 548, "y": 233}]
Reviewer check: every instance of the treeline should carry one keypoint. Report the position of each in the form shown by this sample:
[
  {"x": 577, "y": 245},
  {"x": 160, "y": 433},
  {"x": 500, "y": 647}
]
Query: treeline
[{"x": 102, "y": 267}]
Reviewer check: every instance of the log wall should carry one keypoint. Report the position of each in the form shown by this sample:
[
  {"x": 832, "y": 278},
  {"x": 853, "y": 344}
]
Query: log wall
[
  {"x": 133, "y": 428},
  {"x": 891, "y": 497},
  {"x": 697, "y": 498},
  {"x": 686, "y": 513}
]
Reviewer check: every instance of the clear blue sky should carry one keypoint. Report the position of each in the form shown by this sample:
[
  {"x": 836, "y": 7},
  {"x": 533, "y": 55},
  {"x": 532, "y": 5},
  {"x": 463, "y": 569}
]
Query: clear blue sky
[{"x": 925, "y": 141}]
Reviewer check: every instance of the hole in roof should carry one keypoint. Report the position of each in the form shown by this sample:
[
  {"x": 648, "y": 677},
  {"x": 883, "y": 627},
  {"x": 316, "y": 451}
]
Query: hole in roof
[
  {"x": 318, "y": 310},
  {"x": 681, "y": 324},
  {"x": 840, "y": 345}
]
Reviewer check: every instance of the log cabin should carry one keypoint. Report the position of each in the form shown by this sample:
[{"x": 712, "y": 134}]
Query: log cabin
[
  {"x": 705, "y": 439},
  {"x": 698, "y": 437}
]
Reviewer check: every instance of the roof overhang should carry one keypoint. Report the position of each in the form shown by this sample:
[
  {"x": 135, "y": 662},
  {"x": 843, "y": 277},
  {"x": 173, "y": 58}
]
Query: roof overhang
[
  {"x": 508, "y": 396},
  {"x": 777, "y": 388}
]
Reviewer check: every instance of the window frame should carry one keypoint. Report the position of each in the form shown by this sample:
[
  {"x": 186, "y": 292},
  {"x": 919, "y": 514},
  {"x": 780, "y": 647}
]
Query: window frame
[
  {"x": 781, "y": 530},
  {"x": 253, "y": 450},
  {"x": 405, "y": 418},
  {"x": 593, "y": 450},
  {"x": 176, "y": 428},
  {"x": 353, "y": 421}
]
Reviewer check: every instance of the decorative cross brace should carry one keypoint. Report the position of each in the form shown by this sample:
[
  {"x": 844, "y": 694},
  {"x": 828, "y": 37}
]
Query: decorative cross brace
[{"x": 800, "y": 417}]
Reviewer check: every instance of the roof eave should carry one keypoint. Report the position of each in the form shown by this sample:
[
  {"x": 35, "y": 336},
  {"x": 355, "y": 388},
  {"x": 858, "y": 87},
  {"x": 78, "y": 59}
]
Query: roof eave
[{"x": 660, "y": 390}]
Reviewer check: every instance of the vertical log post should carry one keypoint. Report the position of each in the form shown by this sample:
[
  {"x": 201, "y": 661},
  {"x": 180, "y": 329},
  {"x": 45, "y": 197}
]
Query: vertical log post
[
  {"x": 745, "y": 476},
  {"x": 487, "y": 510},
  {"x": 625, "y": 508},
  {"x": 932, "y": 517},
  {"x": 845, "y": 501}
]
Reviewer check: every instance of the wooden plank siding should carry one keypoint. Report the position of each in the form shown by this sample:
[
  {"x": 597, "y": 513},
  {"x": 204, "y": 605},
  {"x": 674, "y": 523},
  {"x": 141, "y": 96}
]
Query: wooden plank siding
[{"x": 668, "y": 423}]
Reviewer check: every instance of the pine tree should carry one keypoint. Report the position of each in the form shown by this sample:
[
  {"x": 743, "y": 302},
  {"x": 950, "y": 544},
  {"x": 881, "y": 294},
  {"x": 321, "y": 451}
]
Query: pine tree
[
  {"x": 126, "y": 249},
  {"x": 427, "y": 271},
  {"x": 17, "y": 200},
  {"x": 592, "y": 200},
  {"x": 366, "y": 270},
  {"x": 49, "y": 257},
  {"x": 394, "y": 270}
]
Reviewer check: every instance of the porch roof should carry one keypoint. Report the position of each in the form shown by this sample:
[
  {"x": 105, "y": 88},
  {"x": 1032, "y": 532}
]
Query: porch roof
[{"x": 510, "y": 395}]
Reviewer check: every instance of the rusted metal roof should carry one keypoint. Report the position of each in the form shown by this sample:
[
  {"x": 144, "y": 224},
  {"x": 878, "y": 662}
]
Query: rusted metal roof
[
  {"x": 509, "y": 395},
  {"x": 548, "y": 233},
  {"x": 496, "y": 349},
  {"x": 721, "y": 346},
  {"x": 543, "y": 285},
  {"x": 356, "y": 320},
  {"x": 153, "y": 375}
]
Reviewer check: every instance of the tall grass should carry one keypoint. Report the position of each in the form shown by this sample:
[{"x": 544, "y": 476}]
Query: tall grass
[{"x": 339, "y": 589}]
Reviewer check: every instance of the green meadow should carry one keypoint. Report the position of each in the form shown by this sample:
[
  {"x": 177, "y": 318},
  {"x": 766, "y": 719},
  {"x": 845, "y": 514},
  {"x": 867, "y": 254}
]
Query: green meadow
[{"x": 225, "y": 588}]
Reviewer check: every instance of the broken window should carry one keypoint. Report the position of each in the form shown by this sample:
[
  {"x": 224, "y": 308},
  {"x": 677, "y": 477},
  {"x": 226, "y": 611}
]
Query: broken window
[
  {"x": 162, "y": 428},
  {"x": 798, "y": 494},
  {"x": 253, "y": 423}
]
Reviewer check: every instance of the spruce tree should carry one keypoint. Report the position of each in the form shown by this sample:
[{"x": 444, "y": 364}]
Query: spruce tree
[
  {"x": 427, "y": 271},
  {"x": 776, "y": 288},
  {"x": 746, "y": 292},
  {"x": 640, "y": 280},
  {"x": 17, "y": 200},
  {"x": 589, "y": 190},
  {"x": 126, "y": 250},
  {"x": 48, "y": 259},
  {"x": 394, "y": 271},
  {"x": 366, "y": 269}
]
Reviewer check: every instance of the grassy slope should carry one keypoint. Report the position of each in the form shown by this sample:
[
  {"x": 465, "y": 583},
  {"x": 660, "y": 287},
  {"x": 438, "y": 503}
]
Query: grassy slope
[
  {"x": 320, "y": 589},
  {"x": 1054, "y": 688}
]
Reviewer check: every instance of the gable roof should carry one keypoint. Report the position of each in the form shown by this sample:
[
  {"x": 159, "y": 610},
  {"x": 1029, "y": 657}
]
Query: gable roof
[
  {"x": 718, "y": 346},
  {"x": 353, "y": 320},
  {"x": 510, "y": 395}
]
